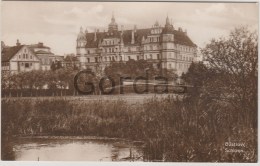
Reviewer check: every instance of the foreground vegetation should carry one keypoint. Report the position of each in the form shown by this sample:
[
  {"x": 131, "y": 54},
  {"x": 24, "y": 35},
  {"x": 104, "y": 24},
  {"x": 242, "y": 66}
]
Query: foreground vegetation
[{"x": 172, "y": 130}]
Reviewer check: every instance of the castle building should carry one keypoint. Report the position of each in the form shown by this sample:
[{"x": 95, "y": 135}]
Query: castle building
[{"x": 165, "y": 47}]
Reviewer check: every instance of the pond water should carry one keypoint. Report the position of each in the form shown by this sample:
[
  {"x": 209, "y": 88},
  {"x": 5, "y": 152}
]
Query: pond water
[{"x": 76, "y": 150}]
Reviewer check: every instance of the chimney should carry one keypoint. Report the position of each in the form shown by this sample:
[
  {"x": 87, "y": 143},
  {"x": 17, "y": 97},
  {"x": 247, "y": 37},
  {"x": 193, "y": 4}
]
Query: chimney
[
  {"x": 122, "y": 29},
  {"x": 40, "y": 44},
  {"x": 143, "y": 39},
  {"x": 133, "y": 36},
  {"x": 135, "y": 28},
  {"x": 18, "y": 43},
  {"x": 95, "y": 37}
]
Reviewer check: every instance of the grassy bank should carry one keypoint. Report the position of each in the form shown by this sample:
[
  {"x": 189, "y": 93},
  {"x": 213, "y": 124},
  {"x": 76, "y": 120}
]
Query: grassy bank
[{"x": 172, "y": 130}]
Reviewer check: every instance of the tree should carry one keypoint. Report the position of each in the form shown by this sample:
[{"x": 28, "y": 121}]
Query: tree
[{"x": 234, "y": 61}]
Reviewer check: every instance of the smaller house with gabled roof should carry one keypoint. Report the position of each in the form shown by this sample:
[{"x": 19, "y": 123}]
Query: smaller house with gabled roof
[{"x": 19, "y": 58}]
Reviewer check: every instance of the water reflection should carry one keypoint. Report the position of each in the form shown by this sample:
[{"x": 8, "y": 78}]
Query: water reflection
[{"x": 76, "y": 150}]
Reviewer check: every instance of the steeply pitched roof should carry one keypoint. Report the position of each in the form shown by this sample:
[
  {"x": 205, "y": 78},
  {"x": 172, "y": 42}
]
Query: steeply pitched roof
[
  {"x": 39, "y": 45},
  {"x": 42, "y": 52},
  {"x": 183, "y": 39},
  {"x": 9, "y": 52},
  {"x": 179, "y": 37}
]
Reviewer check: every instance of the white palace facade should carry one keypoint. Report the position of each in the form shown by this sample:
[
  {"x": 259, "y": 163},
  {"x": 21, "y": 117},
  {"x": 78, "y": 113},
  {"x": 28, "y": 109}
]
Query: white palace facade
[{"x": 167, "y": 46}]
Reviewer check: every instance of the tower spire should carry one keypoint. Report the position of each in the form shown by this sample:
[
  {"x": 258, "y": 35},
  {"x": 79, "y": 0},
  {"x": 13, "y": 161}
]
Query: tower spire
[
  {"x": 81, "y": 29},
  {"x": 113, "y": 25},
  {"x": 113, "y": 17},
  {"x": 167, "y": 20}
]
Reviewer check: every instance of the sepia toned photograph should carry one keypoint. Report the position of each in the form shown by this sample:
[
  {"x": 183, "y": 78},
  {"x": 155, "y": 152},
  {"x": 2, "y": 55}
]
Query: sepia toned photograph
[{"x": 129, "y": 81}]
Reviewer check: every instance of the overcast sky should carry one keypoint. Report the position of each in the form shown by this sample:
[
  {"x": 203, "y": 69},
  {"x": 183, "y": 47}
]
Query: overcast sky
[{"x": 57, "y": 24}]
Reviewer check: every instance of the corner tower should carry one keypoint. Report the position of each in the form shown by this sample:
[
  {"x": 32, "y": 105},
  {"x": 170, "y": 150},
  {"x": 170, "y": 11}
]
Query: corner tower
[{"x": 168, "y": 53}]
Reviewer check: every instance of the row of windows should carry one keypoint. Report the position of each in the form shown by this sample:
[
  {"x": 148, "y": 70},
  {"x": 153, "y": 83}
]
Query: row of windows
[
  {"x": 26, "y": 65},
  {"x": 152, "y": 47},
  {"x": 158, "y": 56},
  {"x": 156, "y": 31},
  {"x": 106, "y": 59},
  {"x": 5, "y": 63},
  {"x": 187, "y": 49},
  {"x": 25, "y": 56},
  {"x": 154, "y": 39},
  {"x": 179, "y": 66},
  {"x": 109, "y": 50},
  {"x": 130, "y": 49},
  {"x": 183, "y": 57},
  {"x": 110, "y": 42}
]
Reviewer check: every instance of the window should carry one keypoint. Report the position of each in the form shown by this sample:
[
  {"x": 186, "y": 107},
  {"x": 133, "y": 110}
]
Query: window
[
  {"x": 88, "y": 60},
  {"x": 30, "y": 57},
  {"x": 30, "y": 64},
  {"x": 23, "y": 56},
  {"x": 26, "y": 65},
  {"x": 96, "y": 59},
  {"x": 170, "y": 66},
  {"x": 151, "y": 56},
  {"x": 88, "y": 52},
  {"x": 129, "y": 49},
  {"x": 137, "y": 57},
  {"x": 129, "y": 57},
  {"x": 19, "y": 57},
  {"x": 158, "y": 56},
  {"x": 26, "y": 56},
  {"x": 22, "y": 63},
  {"x": 151, "y": 47}
]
